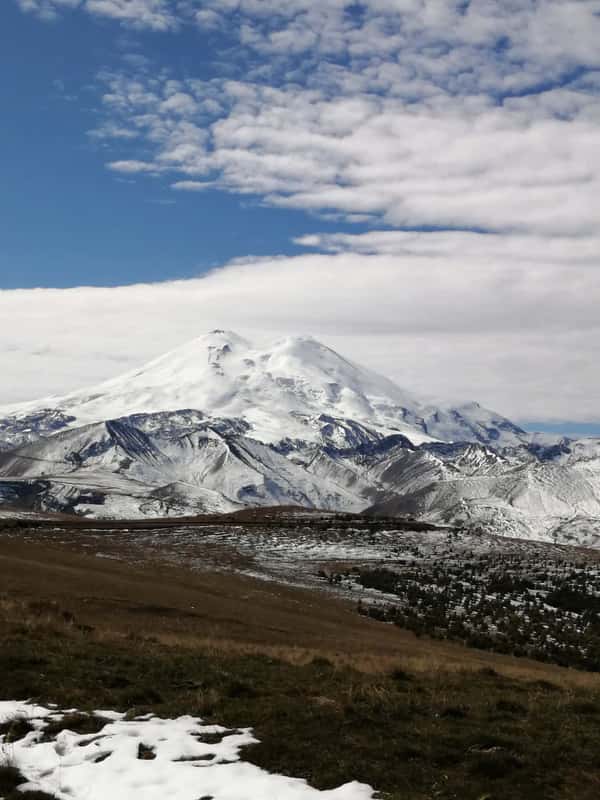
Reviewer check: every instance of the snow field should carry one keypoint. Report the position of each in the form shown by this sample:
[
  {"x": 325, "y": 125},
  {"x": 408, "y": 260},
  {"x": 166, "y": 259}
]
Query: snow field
[{"x": 148, "y": 758}]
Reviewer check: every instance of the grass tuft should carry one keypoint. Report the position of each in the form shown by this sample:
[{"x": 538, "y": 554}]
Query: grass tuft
[{"x": 11, "y": 779}]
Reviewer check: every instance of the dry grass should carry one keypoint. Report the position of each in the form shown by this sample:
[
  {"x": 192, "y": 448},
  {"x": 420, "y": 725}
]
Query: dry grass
[
  {"x": 332, "y": 696},
  {"x": 434, "y": 661},
  {"x": 435, "y": 658},
  {"x": 226, "y": 615},
  {"x": 413, "y": 735}
]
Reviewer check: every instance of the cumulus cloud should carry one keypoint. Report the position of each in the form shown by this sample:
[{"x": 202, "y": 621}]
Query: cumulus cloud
[
  {"x": 464, "y": 246},
  {"x": 436, "y": 323},
  {"x": 504, "y": 45},
  {"x": 507, "y": 44},
  {"x": 437, "y": 113},
  {"x": 418, "y": 47},
  {"x": 532, "y": 167},
  {"x": 47, "y": 9},
  {"x": 158, "y": 15},
  {"x": 191, "y": 186},
  {"x": 133, "y": 167},
  {"x": 468, "y": 129}
]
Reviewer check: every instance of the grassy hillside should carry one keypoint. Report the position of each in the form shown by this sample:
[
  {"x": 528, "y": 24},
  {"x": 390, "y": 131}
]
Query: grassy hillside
[{"x": 349, "y": 699}]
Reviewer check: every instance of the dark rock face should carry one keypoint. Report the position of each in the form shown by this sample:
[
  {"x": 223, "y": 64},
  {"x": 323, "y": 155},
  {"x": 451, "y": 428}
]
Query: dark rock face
[{"x": 15, "y": 431}]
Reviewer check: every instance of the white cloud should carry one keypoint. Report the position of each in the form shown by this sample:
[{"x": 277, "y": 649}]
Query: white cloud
[
  {"x": 133, "y": 167},
  {"x": 208, "y": 19},
  {"x": 532, "y": 168},
  {"x": 551, "y": 250},
  {"x": 191, "y": 186},
  {"x": 402, "y": 123},
  {"x": 154, "y": 14},
  {"x": 110, "y": 131},
  {"x": 504, "y": 44},
  {"x": 158, "y": 15},
  {"x": 439, "y": 324},
  {"x": 401, "y": 113},
  {"x": 421, "y": 47},
  {"x": 47, "y": 9},
  {"x": 179, "y": 103}
]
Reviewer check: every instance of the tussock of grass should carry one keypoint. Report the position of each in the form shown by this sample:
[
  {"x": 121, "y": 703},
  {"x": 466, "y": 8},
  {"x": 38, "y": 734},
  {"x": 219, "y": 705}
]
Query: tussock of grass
[
  {"x": 78, "y": 723},
  {"x": 15, "y": 729},
  {"x": 10, "y": 780}
]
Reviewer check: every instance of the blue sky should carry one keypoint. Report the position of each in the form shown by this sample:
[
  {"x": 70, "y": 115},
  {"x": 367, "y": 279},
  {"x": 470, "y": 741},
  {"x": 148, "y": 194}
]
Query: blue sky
[
  {"x": 68, "y": 221},
  {"x": 414, "y": 181}
]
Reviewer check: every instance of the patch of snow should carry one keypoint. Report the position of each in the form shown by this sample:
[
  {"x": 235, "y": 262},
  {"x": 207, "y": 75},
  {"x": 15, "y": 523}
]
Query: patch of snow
[{"x": 149, "y": 758}]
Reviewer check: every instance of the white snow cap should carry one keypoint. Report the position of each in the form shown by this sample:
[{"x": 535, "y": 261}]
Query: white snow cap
[
  {"x": 222, "y": 374},
  {"x": 278, "y": 390}
]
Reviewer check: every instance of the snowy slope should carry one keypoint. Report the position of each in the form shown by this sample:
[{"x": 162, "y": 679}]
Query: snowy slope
[
  {"x": 163, "y": 464},
  {"x": 179, "y": 463},
  {"x": 512, "y": 493},
  {"x": 219, "y": 424},
  {"x": 279, "y": 391}
]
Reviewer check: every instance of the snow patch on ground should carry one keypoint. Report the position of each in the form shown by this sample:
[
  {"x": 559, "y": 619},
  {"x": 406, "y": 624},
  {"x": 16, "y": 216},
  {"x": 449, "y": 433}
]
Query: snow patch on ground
[{"x": 148, "y": 758}]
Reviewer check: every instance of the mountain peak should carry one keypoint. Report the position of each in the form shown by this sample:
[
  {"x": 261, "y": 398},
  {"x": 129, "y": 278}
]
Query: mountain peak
[
  {"x": 219, "y": 336},
  {"x": 281, "y": 392},
  {"x": 306, "y": 346},
  {"x": 220, "y": 333},
  {"x": 208, "y": 348}
]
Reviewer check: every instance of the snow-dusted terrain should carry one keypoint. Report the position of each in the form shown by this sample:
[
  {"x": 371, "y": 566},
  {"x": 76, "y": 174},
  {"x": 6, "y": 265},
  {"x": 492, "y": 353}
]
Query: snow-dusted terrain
[
  {"x": 146, "y": 758},
  {"x": 219, "y": 425},
  {"x": 279, "y": 391}
]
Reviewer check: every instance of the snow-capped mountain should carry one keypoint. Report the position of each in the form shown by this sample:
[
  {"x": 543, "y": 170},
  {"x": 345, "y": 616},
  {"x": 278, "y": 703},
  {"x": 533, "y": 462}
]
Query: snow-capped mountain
[
  {"x": 552, "y": 495},
  {"x": 280, "y": 391},
  {"x": 219, "y": 424},
  {"x": 162, "y": 464}
]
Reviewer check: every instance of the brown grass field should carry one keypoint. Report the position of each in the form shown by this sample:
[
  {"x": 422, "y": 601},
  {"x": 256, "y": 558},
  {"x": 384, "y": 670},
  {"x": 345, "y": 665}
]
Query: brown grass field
[
  {"x": 231, "y": 613},
  {"x": 332, "y": 696}
]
